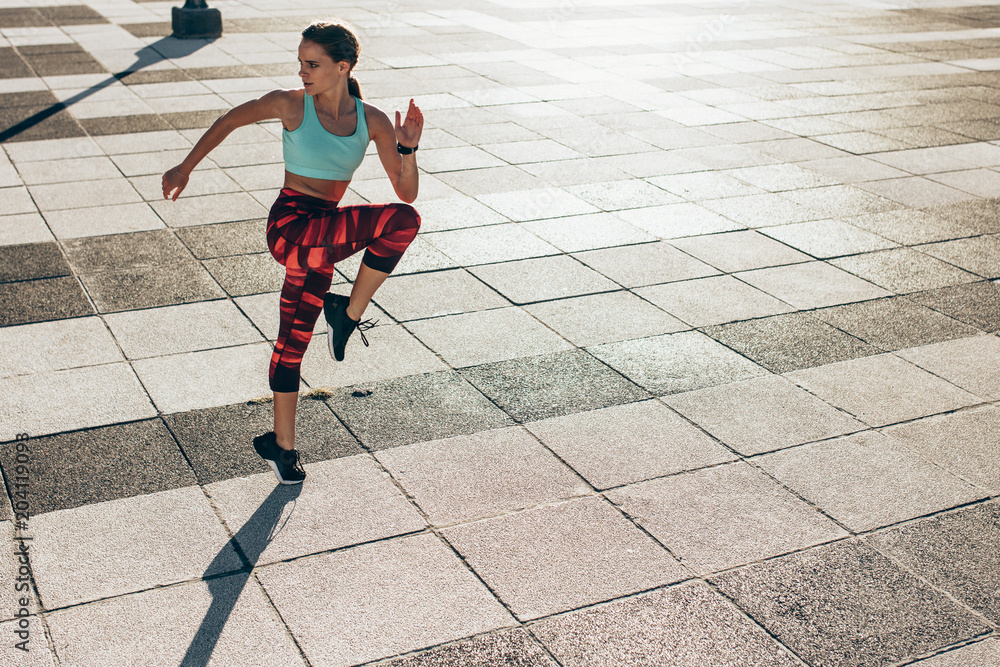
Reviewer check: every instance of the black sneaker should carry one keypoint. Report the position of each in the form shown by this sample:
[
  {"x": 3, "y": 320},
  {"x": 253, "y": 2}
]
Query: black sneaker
[
  {"x": 284, "y": 462},
  {"x": 339, "y": 325}
]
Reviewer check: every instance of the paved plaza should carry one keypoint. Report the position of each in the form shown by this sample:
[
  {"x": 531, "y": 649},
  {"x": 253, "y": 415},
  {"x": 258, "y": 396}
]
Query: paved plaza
[{"x": 694, "y": 361}]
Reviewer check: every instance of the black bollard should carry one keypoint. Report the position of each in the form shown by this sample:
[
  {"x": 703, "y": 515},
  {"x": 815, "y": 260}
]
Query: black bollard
[{"x": 196, "y": 20}]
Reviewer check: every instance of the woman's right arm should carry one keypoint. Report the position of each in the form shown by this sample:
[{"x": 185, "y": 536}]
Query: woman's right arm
[{"x": 271, "y": 105}]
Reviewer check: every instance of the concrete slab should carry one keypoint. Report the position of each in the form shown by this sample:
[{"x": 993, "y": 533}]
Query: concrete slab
[{"x": 970, "y": 363}]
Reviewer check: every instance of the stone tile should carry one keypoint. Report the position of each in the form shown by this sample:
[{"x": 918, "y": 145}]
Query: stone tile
[
  {"x": 851, "y": 169},
  {"x": 867, "y": 480},
  {"x": 828, "y": 238},
  {"x": 71, "y": 399},
  {"x": 604, "y": 318},
  {"x": 701, "y": 185},
  {"x": 126, "y": 251},
  {"x": 676, "y": 362},
  {"x": 674, "y": 221},
  {"x": 412, "y": 409},
  {"x": 915, "y": 191},
  {"x": 980, "y": 654},
  {"x": 210, "y": 377},
  {"x": 722, "y": 517},
  {"x": 507, "y": 647},
  {"x": 863, "y": 609},
  {"x": 100, "y": 220},
  {"x": 882, "y": 389},
  {"x": 380, "y": 600},
  {"x": 587, "y": 232},
  {"x": 211, "y": 208},
  {"x": 904, "y": 270},
  {"x": 623, "y": 444},
  {"x": 487, "y": 336},
  {"x": 524, "y": 205},
  {"x": 224, "y": 239},
  {"x": 618, "y": 195},
  {"x": 347, "y": 501},
  {"x": 812, "y": 285},
  {"x": 81, "y": 194},
  {"x": 978, "y": 182},
  {"x": 114, "y": 631},
  {"x": 183, "y": 328},
  {"x": 956, "y": 552},
  {"x": 762, "y": 414},
  {"x": 474, "y": 476},
  {"x": 842, "y": 200},
  {"x": 980, "y": 255},
  {"x": 54, "y": 346},
  {"x": 434, "y": 294},
  {"x": 495, "y": 243},
  {"x": 970, "y": 363},
  {"x": 38, "y": 655},
  {"x": 977, "y": 304},
  {"x": 676, "y": 626},
  {"x": 550, "y": 385},
  {"x": 138, "y": 547},
  {"x": 456, "y": 213},
  {"x": 716, "y": 300},
  {"x": 541, "y": 279},
  {"x": 30, "y": 261},
  {"x": 893, "y": 323},
  {"x": 217, "y": 442},
  {"x": 739, "y": 251},
  {"x": 243, "y": 275},
  {"x": 646, "y": 264},
  {"x": 562, "y": 556},
  {"x": 912, "y": 226},
  {"x": 23, "y": 228},
  {"x": 763, "y": 210}
]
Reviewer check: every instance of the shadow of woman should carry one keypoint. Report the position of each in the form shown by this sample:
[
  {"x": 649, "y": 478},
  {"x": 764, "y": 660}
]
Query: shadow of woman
[
  {"x": 249, "y": 542},
  {"x": 160, "y": 50}
]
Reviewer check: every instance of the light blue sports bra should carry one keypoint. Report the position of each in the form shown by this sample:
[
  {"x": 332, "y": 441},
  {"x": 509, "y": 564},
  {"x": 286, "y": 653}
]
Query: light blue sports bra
[{"x": 309, "y": 150}]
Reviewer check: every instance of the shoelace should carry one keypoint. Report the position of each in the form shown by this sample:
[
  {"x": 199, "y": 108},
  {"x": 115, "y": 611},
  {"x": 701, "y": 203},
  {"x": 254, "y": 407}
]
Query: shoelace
[
  {"x": 362, "y": 327},
  {"x": 296, "y": 466}
]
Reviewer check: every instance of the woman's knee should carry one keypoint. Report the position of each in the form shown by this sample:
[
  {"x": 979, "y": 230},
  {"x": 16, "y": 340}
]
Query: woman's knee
[{"x": 408, "y": 215}]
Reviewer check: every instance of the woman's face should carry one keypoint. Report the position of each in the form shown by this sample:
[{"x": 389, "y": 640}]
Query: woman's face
[{"x": 317, "y": 70}]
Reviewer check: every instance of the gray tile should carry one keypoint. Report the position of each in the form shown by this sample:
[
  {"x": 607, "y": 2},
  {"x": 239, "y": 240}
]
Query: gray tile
[
  {"x": 44, "y": 299},
  {"x": 587, "y": 232},
  {"x": 828, "y": 238},
  {"x": 625, "y": 443},
  {"x": 911, "y": 226},
  {"x": 846, "y": 605},
  {"x": 762, "y": 414},
  {"x": 130, "y": 289},
  {"x": 54, "y": 346},
  {"x": 674, "y": 221},
  {"x": 222, "y": 240},
  {"x": 957, "y": 552},
  {"x": 137, "y": 250},
  {"x": 677, "y": 362},
  {"x": 977, "y": 304},
  {"x": 95, "y": 465},
  {"x": 893, "y": 323},
  {"x": 604, "y": 318},
  {"x": 243, "y": 275},
  {"x": 841, "y": 200},
  {"x": 725, "y": 516},
  {"x": 561, "y": 556},
  {"x": 789, "y": 342},
  {"x": 763, "y": 210},
  {"x": 867, "y": 480},
  {"x": 379, "y": 600},
  {"x": 715, "y": 300},
  {"x": 618, "y": 195},
  {"x": 509, "y": 647},
  {"x": 30, "y": 261},
  {"x": 646, "y": 264},
  {"x": 980, "y": 255},
  {"x": 485, "y": 474},
  {"x": 904, "y": 270},
  {"x": 964, "y": 443},
  {"x": 981, "y": 654},
  {"x": 739, "y": 251},
  {"x": 495, "y": 243},
  {"x": 530, "y": 280},
  {"x": 970, "y": 363},
  {"x": 550, "y": 385},
  {"x": 411, "y": 297},
  {"x": 415, "y": 408},
  {"x": 677, "y": 626},
  {"x": 218, "y": 441},
  {"x": 812, "y": 285},
  {"x": 882, "y": 389}
]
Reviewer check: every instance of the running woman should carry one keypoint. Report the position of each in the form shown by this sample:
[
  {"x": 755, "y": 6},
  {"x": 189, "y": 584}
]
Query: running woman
[{"x": 326, "y": 129}]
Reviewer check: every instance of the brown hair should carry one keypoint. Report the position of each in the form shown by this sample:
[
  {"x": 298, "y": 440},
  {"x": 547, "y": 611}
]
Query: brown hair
[{"x": 339, "y": 43}]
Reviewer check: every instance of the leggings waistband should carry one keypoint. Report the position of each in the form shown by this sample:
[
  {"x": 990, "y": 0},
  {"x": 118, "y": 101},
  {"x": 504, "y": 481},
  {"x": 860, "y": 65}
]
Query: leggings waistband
[{"x": 288, "y": 194}]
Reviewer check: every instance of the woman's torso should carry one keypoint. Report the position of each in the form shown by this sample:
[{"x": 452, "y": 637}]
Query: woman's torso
[{"x": 343, "y": 129}]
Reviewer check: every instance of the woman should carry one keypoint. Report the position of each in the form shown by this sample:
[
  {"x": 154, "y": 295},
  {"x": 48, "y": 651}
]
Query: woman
[{"x": 326, "y": 130}]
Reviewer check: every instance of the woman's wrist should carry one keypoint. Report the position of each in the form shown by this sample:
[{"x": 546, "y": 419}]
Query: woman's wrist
[{"x": 406, "y": 150}]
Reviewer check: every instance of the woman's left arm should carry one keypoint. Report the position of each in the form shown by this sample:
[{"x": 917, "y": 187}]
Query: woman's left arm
[{"x": 401, "y": 169}]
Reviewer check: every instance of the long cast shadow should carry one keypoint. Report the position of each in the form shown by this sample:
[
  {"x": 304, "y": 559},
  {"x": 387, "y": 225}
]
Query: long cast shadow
[
  {"x": 158, "y": 51},
  {"x": 250, "y": 540}
]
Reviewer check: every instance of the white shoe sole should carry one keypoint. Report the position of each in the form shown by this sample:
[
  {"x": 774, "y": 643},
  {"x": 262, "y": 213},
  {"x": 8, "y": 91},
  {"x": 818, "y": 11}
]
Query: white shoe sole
[{"x": 274, "y": 467}]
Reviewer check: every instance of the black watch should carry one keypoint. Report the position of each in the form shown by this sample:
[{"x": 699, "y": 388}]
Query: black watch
[{"x": 405, "y": 150}]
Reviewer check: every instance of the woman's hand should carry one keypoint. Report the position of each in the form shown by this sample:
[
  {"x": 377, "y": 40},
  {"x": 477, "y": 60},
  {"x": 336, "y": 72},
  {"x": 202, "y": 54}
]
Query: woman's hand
[
  {"x": 175, "y": 180},
  {"x": 408, "y": 134}
]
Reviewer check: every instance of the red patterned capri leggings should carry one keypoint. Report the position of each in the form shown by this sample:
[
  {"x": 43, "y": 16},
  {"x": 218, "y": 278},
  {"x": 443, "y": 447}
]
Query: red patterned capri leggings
[{"x": 307, "y": 236}]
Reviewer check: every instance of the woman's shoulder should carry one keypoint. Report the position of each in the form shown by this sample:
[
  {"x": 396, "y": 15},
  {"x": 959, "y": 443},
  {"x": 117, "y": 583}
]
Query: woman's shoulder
[{"x": 374, "y": 116}]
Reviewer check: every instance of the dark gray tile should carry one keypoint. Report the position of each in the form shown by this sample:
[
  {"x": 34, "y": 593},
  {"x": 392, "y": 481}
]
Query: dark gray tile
[
  {"x": 107, "y": 463},
  {"x": 903, "y": 270},
  {"x": 415, "y": 408},
  {"x": 32, "y": 260},
  {"x": 512, "y": 648},
  {"x": 38, "y": 123},
  {"x": 681, "y": 626},
  {"x": 244, "y": 275},
  {"x": 97, "y": 127},
  {"x": 222, "y": 240},
  {"x": 847, "y": 605},
  {"x": 894, "y": 323},
  {"x": 977, "y": 304},
  {"x": 972, "y": 217},
  {"x": 790, "y": 342},
  {"x": 114, "y": 291},
  {"x": 191, "y": 120},
  {"x": 551, "y": 385},
  {"x": 138, "y": 250},
  {"x": 40, "y": 300},
  {"x": 958, "y": 552},
  {"x": 218, "y": 441}
]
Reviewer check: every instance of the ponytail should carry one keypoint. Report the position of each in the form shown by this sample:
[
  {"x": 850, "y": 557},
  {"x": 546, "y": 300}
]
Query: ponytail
[{"x": 353, "y": 87}]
